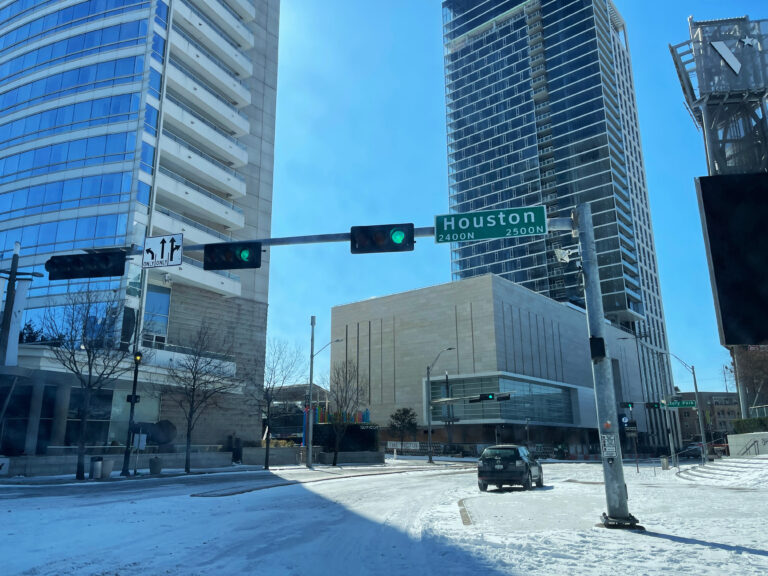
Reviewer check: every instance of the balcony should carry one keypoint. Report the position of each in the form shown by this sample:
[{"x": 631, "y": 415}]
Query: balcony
[
  {"x": 165, "y": 221},
  {"x": 191, "y": 273},
  {"x": 203, "y": 64},
  {"x": 208, "y": 34},
  {"x": 183, "y": 81},
  {"x": 181, "y": 195},
  {"x": 243, "y": 8},
  {"x": 184, "y": 159},
  {"x": 188, "y": 124},
  {"x": 226, "y": 19}
]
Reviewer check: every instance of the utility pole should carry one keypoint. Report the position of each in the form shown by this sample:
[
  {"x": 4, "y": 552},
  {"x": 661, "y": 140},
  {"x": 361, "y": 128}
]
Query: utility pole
[
  {"x": 310, "y": 414},
  {"x": 5, "y": 327}
]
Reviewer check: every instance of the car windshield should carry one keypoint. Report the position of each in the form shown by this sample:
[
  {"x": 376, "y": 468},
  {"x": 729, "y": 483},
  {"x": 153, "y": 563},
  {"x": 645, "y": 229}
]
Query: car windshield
[{"x": 510, "y": 453}]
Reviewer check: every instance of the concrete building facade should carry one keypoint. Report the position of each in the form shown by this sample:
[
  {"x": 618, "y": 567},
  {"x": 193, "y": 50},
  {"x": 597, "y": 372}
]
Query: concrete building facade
[
  {"x": 505, "y": 339},
  {"x": 121, "y": 120}
]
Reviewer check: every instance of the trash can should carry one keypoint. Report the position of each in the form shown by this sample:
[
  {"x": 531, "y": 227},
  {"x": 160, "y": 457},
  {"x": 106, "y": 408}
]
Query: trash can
[
  {"x": 106, "y": 468},
  {"x": 664, "y": 463},
  {"x": 155, "y": 465},
  {"x": 96, "y": 463}
]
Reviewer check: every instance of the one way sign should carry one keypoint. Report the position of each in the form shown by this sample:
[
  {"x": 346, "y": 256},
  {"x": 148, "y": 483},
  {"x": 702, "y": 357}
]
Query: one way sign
[{"x": 162, "y": 251}]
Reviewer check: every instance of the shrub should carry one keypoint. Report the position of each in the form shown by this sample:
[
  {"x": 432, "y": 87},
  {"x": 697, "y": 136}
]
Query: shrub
[{"x": 748, "y": 425}]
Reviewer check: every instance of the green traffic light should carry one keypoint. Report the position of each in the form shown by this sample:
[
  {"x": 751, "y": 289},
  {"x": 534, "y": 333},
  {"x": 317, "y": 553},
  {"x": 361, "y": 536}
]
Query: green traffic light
[
  {"x": 244, "y": 254},
  {"x": 397, "y": 236}
]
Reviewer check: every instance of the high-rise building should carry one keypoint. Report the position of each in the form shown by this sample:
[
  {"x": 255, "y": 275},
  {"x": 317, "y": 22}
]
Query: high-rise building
[
  {"x": 541, "y": 111},
  {"x": 122, "y": 119}
]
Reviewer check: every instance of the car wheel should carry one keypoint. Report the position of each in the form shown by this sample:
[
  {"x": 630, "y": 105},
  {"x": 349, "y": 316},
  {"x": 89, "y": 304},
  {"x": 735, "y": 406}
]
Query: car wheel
[
  {"x": 482, "y": 485},
  {"x": 527, "y": 482},
  {"x": 540, "y": 479}
]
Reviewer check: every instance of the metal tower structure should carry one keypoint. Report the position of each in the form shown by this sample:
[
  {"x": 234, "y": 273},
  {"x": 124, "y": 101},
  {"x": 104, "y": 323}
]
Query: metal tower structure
[{"x": 723, "y": 70}]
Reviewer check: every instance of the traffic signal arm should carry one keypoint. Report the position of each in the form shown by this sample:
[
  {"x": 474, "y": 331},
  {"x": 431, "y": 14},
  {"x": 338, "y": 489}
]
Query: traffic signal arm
[
  {"x": 232, "y": 255},
  {"x": 381, "y": 238},
  {"x": 95, "y": 265},
  {"x": 488, "y": 396}
]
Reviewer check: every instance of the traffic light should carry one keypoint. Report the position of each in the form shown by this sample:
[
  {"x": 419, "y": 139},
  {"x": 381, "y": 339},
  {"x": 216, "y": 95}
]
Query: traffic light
[
  {"x": 232, "y": 255},
  {"x": 482, "y": 397},
  {"x": 95, "y": 265},
  {"x": 629, "y": 405},
  {"x": 381, "y": 238},
  {"x": 652, "y": 405}
]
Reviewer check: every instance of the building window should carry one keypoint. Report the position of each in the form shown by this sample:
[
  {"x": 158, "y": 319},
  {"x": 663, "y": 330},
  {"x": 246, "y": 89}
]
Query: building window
[{"x": 156, "y": 311}]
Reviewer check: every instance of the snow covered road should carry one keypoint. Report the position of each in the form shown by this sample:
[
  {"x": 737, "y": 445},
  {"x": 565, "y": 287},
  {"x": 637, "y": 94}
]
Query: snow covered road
[{"x": 419, "y": 522}]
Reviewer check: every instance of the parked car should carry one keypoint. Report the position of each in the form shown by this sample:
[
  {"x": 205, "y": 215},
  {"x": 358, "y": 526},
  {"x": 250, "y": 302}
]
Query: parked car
[
  {"x": 508, "y": 464},
  {"x": 691, "y": 451}
]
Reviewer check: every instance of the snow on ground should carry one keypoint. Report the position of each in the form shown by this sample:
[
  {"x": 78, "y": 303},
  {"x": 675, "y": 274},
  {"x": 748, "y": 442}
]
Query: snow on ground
[{"x": 420, "y": 521}]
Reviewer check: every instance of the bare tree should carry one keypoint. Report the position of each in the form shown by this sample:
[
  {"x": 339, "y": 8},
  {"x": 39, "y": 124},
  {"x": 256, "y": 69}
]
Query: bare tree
[
  {"x": 346, "y": 394},
  {"x": 84, "y": 340},
  {"x": 283, "y": 365},
  {"x": 200, "y": 378},
  {"x": 401, "y": 421}
]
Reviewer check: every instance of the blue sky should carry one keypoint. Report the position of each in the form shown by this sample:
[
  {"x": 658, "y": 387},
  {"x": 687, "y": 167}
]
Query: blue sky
[{"x": 360, "y": 139}]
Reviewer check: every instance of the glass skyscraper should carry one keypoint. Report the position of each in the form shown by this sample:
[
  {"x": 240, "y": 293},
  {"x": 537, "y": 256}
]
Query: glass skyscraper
[
  {"x": 541, "y": 111},
  {"x": 121, "y": 119}
]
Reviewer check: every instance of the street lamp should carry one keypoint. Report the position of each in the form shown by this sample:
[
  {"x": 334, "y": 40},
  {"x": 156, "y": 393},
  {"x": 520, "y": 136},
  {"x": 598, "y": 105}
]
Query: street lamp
[
  {"x": 10, "y": 297},
  {"x": 429, "y": 401},
  {"x": 310, "y": 416},
  {"x": 699, "y": 405},
  {"x": 132, "y": 399}
]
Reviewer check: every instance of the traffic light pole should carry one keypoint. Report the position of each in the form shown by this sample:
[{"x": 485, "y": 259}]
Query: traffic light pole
[
  {"x": 422, "y": 232},
  {"x": 618, "y": 515}
]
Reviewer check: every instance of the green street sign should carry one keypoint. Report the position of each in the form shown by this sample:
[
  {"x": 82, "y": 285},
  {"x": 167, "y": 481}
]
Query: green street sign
[
  {"x": 501, "y": 223},
  {"x": 682, "y": 404}
]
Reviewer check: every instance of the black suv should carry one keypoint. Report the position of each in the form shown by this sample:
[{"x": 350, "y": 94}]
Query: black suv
[{"x": 508, "y": 464}]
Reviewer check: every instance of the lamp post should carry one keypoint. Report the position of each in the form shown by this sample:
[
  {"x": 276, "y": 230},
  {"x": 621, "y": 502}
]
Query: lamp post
[
  {"x": 429, "y": 402},
  {"x": 699, "y": 406},
  {"x": 310, "y": 416},
  {"x": 132, "y": 399}
]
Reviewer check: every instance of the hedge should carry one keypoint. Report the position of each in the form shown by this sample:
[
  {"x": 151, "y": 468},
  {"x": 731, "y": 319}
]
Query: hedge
[{"x": 748, "y": 425}]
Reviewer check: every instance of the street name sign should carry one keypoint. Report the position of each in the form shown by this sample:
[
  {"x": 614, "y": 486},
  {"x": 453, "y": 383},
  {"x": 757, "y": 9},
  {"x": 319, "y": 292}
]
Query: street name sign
[
  {"x": 682, "y": 404},
  {"x": 161, "y": 251},
  {"x": 501, "y": 223}
]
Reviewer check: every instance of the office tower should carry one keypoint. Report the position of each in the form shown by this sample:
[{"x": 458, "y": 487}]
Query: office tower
[
  {"x": 541, "y": 111},
  {"x": 121, "y": 119}
]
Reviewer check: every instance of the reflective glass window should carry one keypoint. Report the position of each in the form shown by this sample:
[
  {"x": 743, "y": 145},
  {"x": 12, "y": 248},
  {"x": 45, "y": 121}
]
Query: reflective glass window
[
  {"x": 66, "y": 230},
  {"x": 143, "y": 193},
  {"x": 147, "y": 157},
  {"x": 86, "y": 228},
  {"x": 158, "y": 47}
]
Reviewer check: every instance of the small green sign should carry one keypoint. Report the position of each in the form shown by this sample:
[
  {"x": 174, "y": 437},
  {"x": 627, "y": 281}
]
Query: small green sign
[
  {"x": 682, "y": 404},
  {"x": 501, "y": 223}
]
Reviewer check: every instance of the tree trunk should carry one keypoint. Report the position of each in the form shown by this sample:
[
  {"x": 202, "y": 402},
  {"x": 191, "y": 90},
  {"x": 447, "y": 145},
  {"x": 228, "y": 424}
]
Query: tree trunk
[
  {"x": 336, "y": 445},
  {"x": 85, "y": 412},
  {"x": 269, "y": 428},
  {"x": 187, "y": 459}
]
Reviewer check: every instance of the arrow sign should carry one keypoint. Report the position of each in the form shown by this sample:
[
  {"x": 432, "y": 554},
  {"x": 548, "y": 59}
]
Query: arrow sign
[{"x": 157, "y": 256}]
